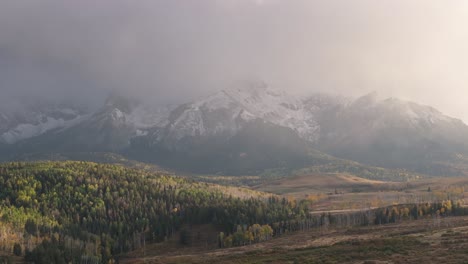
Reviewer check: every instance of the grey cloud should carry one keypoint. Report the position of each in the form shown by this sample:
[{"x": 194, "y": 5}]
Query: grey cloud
[{"x": 175, "y": 50}]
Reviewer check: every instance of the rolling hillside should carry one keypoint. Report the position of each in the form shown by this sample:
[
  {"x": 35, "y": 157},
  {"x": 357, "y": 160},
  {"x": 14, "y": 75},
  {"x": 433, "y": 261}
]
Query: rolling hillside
[{"x": 71, "y": 211}]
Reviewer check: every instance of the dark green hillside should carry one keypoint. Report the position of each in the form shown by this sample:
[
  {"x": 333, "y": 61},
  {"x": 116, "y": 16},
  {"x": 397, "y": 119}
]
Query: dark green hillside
[
  {"x": 63, "y": 211},
  {"x": 259, "y": 146}
]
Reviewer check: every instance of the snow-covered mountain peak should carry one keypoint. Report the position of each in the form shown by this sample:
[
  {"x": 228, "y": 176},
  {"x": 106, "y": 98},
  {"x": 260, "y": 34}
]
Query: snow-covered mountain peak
[
  {"x": 227, "y": 110},
  {"x": 261, "y": 100},
  {"x": 117, "y": 115},
  {"x": 124, "y": 111},
  {"x": 414, "y": 113},
  {"x": 224, "y": 114},
  {"x": 37, "y": 119},
  {"x": 320, "y": 102}
]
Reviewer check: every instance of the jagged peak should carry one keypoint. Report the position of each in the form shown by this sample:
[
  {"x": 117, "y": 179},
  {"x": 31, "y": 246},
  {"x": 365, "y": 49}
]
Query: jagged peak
[{"x": 243, "y": 94}]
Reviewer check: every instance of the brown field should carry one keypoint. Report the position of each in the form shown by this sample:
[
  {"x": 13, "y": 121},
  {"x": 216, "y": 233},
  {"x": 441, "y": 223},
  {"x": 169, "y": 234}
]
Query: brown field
[
  {"x": 317, "y": 183},
  {"x": 442, "y": 240},
  {"x": 347, "y": 192},
  {"x": 427, "y": 240}
]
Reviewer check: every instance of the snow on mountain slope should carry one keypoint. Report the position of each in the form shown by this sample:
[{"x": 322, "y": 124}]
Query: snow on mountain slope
[
  {"x": 248, "y": 120},
  {"x": 392, "y": 133},
  {"x": 228, "y": 110},
  {"x": 129, "y": 110},
  {"x": 320, "y": 118},
  {"x": 17, "y": 126},
  {"x": 144, "y": 117},
  {"x": 21, "y": 124},
  {"x": 121, "y": 111},
  {"x": 112, "y": 127},
  {"x": 24, "y": 131},
  {"x": 392, "y": 112},
  {"x": 277, "y": 107},
  {"x": 414, "y": 113}
]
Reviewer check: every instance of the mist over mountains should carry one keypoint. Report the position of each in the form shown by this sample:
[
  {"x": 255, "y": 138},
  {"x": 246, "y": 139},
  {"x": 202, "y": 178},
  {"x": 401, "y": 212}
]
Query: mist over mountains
[{"x": 244, "y": 129}]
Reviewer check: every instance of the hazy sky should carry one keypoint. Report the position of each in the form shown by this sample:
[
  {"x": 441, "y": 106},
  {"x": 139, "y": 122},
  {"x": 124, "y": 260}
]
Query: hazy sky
[{"x": 172, "y": 50}]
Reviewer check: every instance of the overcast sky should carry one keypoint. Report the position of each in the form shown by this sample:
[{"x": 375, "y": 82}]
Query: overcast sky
[{"x": 175, "y": 50}]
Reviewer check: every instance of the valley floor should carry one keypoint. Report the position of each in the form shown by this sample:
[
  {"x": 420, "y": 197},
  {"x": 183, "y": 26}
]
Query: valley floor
[
  {"x": 419, "y": 241},
  {"x": 342, "y": 192}
]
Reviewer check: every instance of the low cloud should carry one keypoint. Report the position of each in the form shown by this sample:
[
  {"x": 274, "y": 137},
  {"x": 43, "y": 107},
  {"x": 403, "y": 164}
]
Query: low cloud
[{"x": 171, "y": 51}]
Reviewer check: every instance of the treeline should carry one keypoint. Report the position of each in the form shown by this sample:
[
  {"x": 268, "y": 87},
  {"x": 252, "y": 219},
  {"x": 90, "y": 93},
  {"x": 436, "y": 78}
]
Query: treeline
[
  {"x": 398, "y": 213},
  {"x": 392, "y": 214},
  {"x": 246, "y": 235},
  {"x": 87, "y": 212}
]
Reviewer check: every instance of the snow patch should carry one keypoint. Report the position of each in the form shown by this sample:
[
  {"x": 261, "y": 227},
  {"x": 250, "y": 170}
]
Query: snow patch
[
  {"x": 25, "y": 131},
  {"x": 117, "y": 115},
  {"x": 254, "y": 101},
  {"x": 143, "y": 117}
]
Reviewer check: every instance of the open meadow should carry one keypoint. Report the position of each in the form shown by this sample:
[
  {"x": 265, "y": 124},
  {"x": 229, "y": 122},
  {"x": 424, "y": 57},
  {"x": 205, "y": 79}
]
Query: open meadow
[{"x": 425, "y": 240}]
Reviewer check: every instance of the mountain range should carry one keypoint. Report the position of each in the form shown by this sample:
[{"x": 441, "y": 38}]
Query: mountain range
[{"x": 245, "y": 129}]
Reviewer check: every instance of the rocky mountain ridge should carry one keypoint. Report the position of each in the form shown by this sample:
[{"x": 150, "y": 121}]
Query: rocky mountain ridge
[{"x": 245, "y": 124}]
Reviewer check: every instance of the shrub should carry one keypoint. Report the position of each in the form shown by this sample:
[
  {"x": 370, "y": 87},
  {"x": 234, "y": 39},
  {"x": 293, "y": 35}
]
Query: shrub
[{"x": 17, "y": 249}]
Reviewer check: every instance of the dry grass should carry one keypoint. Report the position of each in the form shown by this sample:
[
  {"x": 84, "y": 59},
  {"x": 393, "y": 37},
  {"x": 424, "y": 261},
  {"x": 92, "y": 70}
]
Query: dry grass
[
  {"x": 347, "y": 192},
  {"x": 427, "y": 240},
  {"x": 406, "y": 242}
]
